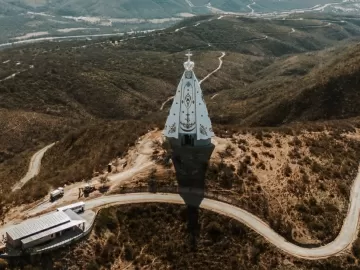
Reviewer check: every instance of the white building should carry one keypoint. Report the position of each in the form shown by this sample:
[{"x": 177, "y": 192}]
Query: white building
[{"x": 37, "y": 231}]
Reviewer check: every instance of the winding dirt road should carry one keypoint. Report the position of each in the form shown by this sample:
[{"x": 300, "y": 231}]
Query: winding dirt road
[
  {"x": 162, "y": 106},
  {"x": 343, "y": 241},
  {"x": 216, "y": 70},
  {"x": 34, "y": 167},
  {"x": 345, "y": 238}
]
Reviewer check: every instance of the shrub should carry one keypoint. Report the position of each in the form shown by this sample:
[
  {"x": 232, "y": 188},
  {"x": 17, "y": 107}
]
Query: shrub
[
  {"x": 344, "y": 189},
  {"x": 105, "y": 220},
  {"x": 242, "y": 141},
  {"x": 215, "y": 230},
  {"x": 315, "y": 167},
  {"x": 129, "y": 252},
  {"x": 305, "y": 178},
  {"x": 296, "y": 142},
  {"x": 229, "y": 150},
  {"x": 3, "y": 264},
  {"x": 287, "y": 170},
  {"x": 267, "y": 135},
  {"x": 356, "y": 248},
  {"x": 247, "y": 160},
  {"x": 267, "y": 144},
  {"x": 261, "y": 165},
  {"x": 242, "y": 147},
  {"x": 92, "y": 266},
  {"x": 268, "y": 154},
  {"x": 259, "y": 136}
]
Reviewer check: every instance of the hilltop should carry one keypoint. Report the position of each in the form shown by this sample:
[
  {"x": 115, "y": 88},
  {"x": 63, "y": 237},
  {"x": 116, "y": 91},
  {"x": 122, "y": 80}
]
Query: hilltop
[
  {"x": 284, "y": 106},
  {"x": 75, "y": 85}
]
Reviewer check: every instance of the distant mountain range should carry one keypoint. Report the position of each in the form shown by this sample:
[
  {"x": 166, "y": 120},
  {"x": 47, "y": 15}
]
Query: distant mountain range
[
  {"x": 168, "y": 8},
  {"x": 27, "y": 19}
]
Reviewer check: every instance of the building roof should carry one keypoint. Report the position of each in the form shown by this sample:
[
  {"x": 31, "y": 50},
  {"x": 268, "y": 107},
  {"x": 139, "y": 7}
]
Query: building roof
[
  {"x": 52, "y": 231},
  {"x": 70, "y": 206},
  {"x": 37, "y": 225},
  {"x": 188, "y": 114},
  {"x": 72, "y": 215}
]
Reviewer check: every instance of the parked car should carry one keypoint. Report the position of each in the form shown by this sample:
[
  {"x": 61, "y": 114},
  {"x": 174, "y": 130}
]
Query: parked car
[{"x": 56, "y": 194}]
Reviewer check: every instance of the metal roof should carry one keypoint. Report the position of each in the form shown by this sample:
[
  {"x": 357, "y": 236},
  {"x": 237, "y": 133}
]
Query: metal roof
[
  {"x": 72, "y": 215},
  {"x": 60, "y": 228},
  {"x": 37, "y": 225},
  {"x": 70, "y": 206}
]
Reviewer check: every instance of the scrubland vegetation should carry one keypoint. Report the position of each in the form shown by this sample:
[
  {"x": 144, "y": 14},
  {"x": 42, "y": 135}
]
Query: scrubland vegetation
[
  {"x": 297, "y": 178},
  {"x": 289, "y": 147},
  {"x": 155, "y": 236}
]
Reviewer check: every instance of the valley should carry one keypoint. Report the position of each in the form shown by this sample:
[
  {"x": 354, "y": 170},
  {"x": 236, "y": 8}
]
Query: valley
[
  {"x": 282, "y": 97},
  {"x": 91, "y": 19}
]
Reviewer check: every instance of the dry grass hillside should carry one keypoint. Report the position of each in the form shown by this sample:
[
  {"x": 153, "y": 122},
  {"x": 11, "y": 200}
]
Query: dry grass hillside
[
  {"x": 296, "y": 178},
  {"x": 79, "y": 92},
  {"x": 77, "y": 156},
  {"x": 246, "y": 35},
  {"x": 21, "y": 135},
  {"x": 305, "y": 87},
  {"x": 96, "y": 99},
  {"x": 154, "y": 236}
]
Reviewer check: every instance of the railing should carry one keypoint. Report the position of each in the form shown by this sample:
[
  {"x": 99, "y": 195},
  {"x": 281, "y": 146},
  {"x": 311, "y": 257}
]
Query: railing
[{"x": 35, "y": 251}]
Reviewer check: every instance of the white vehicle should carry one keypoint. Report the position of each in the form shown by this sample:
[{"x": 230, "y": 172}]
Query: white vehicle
[
  {"x": 54, "y": 195},
  {"x": 76, "y": 207}
]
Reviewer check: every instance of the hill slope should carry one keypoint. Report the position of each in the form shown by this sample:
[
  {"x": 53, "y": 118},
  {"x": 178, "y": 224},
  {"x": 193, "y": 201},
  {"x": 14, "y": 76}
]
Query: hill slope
[
  {"x": 97, "y": 98},
  {"x": 307, "y": 87},
  {"x": 251, "y": 36}
]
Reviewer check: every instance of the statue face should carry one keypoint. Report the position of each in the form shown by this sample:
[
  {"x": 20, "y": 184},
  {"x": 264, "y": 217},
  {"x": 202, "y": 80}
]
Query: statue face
[{"x": 188, "y": 74}]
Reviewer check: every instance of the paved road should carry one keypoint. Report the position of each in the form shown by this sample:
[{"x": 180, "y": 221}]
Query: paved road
[
  {"x": 34, "y": 167},
  {"x": 346, "y": 236}
]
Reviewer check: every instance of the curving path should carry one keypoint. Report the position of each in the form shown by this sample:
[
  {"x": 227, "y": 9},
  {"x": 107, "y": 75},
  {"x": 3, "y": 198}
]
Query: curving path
[
  {"x": 345, "y": 238},
  {"x": 162, "y": 106},
  {"x": 34, "y": 167},
  {"x": 249, "y": 7},
  {"x": 216, "y": 70}
]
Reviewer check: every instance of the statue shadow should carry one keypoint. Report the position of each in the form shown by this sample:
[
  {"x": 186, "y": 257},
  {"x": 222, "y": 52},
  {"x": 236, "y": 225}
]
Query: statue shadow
[{"x": 190, "y": 165}]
